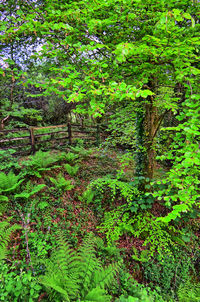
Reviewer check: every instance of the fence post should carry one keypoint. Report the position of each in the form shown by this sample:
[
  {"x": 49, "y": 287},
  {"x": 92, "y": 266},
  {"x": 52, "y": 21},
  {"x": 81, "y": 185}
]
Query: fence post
[
  {"x": 70, "y": 133},
  {"x": 98, "y": 135},
  {"x": 32, "y": 139}
]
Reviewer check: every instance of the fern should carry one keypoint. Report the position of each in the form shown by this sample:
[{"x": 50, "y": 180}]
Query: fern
[
  {"x": 78, "y": 275},
  {"x": 72, "y": 171},
  {"x": 114, "y": 224},
  {"x": 189, "y": 292},
  {"x": 69, "y": 157},
  {"x": 43, "y": 159},
  {"x": 5, "y": 232},
  {"x": 9, "y": 182},
  {"x": 27, "y": 194},
  {"x": 81, "y": 151},
  {"x": 97, "y": 294},
  {"x": 87, "y": 196},
  {"x": 89, "y": 264},
  {"x": 61, "y": 183},
  {"x": 3, "y": 204},
  {"x": 39, "y": 162}
]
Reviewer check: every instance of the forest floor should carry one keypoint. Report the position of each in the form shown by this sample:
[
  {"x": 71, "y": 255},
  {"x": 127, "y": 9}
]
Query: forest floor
[{"x": 71, "y": 194}]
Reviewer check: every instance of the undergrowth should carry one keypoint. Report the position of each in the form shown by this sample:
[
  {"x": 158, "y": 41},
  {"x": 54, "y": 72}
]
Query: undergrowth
[{"x": 51, "y": 201}]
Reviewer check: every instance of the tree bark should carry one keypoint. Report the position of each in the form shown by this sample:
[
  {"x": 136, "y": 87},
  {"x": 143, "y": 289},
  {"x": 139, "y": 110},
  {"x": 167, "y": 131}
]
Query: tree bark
[
  {"x": 147, "y": 125},
  {"x": 151, "y": 120}
]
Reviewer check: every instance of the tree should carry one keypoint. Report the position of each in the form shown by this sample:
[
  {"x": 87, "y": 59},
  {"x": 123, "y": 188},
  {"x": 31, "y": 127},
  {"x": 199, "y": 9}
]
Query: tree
[
  {"x": 14, "y": 58},
  {"x": 102, "y": 53}
]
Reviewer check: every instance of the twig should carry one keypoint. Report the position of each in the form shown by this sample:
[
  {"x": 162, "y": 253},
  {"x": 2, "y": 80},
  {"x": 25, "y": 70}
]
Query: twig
[{"x": 3, "y": 121}]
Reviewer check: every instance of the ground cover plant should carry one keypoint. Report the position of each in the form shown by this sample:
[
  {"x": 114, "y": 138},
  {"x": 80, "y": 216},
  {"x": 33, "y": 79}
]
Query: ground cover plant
[
  {"x": 114, "y": 214},
  {"x": 52, "y": 218}
]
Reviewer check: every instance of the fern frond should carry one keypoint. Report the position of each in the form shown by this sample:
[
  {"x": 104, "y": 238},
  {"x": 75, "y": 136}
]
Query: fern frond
[
  {"x": 3, "y": 203},
  {"x": 71, "y": 170},
  {"x": 69, "y": 157},
  {"x": 62, "y": 270},
  {"x": 71, "y": 274},
  {"x": 42, "y": 159},
  {"x": 61, "y": 183},
  {"x": 5, "y": 232},
  {"x": 89, "y": 261},
  {"x": 65, "y": 283},
  {"x": 26, "y": 194},
  {"x": 9, "y": 182},
  {"x": 39, "y": 162},
  {"x": 97, "y": 295},
  {"x": 52, "y": 282},
  {"x": 105, "y": 276},
  {"x": 82, "y": 152},
  {"x": 87, "y": 196},
  {"x": 189, "y": 292},
  {"x": 66, "y": 259}
]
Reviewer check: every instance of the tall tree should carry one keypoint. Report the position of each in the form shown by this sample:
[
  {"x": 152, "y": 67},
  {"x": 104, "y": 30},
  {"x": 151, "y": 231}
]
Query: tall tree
[{"x": 101, "y": 53}]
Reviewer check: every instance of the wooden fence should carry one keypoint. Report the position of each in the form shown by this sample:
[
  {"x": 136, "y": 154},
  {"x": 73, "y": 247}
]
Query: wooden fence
[{"x": 33, "y": 140}]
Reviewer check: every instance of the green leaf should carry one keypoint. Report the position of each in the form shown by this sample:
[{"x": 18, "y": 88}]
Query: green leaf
[
  {"x": 187, "y": 16},
  {"x": 3, "y": 198}
]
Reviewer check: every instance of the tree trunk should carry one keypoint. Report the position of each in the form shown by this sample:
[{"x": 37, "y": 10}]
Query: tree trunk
[
  {"x": 151, "y": 121},
  {"x": 147, "y": 124}
]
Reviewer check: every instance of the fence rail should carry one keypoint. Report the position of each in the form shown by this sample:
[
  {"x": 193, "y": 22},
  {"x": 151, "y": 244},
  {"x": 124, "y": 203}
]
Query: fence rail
[{"x": 71, "y": 132}]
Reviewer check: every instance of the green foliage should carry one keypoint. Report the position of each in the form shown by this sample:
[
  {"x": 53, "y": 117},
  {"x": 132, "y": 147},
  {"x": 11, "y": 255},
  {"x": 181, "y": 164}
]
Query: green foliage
[
  {"x": 61, "y": 183},
  {"x": 69, "y": 157},
  {"x": 79, "y": 275},
  {"x": 135, "y": 60},
  {"x": 39, "y": 162},
  {"x": 9, "y": 182},
  {"x": 27, "y": 193},
  {"x": 81, "y": 151},
  {"x": 18, "y": 285},
  {"x": 189, "y": 292},
  {"x": 41, "y": 244},
  {"x": 108, "y": 253},
  {"x": 3, "y": 203},
  {"x": 121, "y": 127},
  {"x": 114, "y": 225},
  {"x": 87, "y": 196},
  {"x": 169, "y": 271},
  {"x": 131, "y": 290},
  {"x": 71, "y": 170},
  {"x": 157, "y": 237},
  {"x": 115, "y": 67},
  {"x": 181, "y": 185},
  {"x": 6, "y": 229},
  {"x": 115, "y": 188},
  {"x": 7, "y": 160},
  {"x": 142, "y": 257},
  {"x": 141, "y": 296}
]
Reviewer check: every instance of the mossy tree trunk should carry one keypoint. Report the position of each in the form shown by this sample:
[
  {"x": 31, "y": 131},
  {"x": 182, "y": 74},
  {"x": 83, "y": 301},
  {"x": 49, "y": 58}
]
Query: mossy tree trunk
[{"x": 148, "y": 122}]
